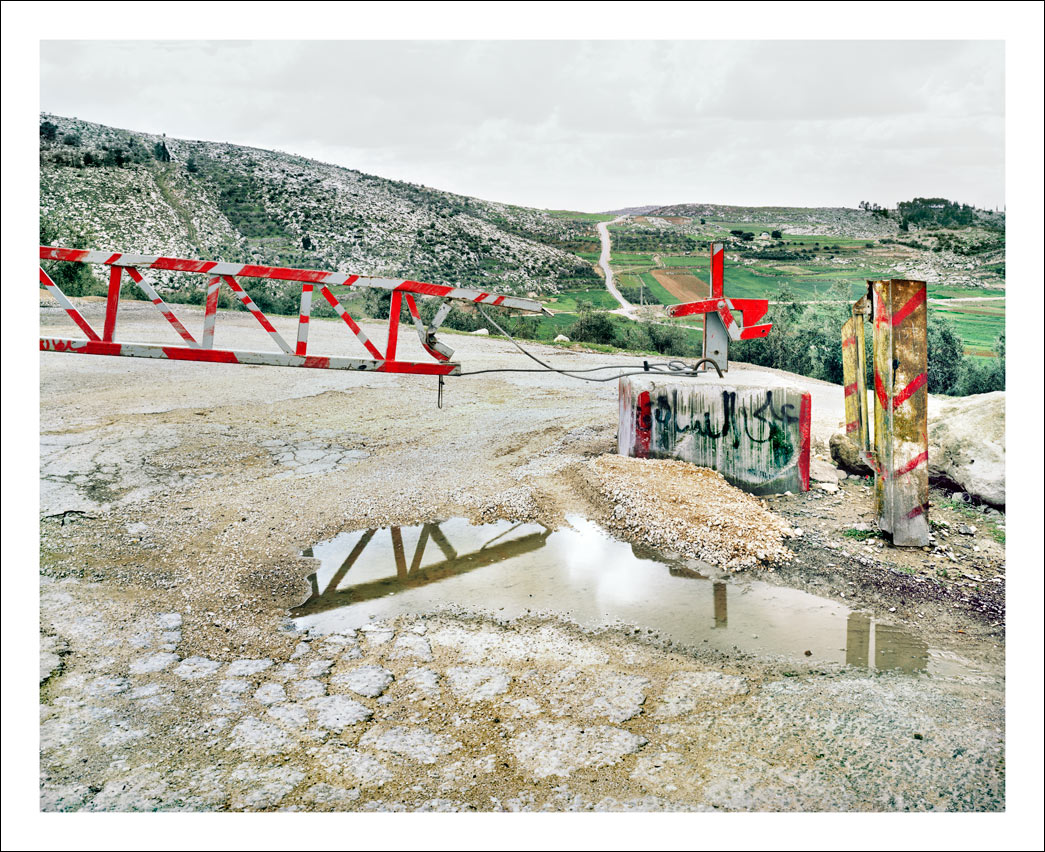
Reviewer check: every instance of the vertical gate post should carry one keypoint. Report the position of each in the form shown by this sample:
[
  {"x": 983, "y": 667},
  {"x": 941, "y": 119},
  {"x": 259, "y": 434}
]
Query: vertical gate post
[
  {"x": 854, "y": 377},
  {"x": 112, "y": 303},
  {"x": 901, "y": 433},
  {"x": 716, "y": 337}
]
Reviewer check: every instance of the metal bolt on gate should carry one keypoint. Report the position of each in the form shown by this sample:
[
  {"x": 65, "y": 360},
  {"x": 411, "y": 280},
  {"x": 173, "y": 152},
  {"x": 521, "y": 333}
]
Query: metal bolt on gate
[
  {"x": 219, "y": 273},
  {"x": 900, "y": 457}
]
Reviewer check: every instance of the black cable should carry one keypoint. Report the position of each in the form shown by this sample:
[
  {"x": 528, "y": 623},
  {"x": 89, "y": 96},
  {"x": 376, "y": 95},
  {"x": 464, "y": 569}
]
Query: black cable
[{"x": 678, "y": 368}]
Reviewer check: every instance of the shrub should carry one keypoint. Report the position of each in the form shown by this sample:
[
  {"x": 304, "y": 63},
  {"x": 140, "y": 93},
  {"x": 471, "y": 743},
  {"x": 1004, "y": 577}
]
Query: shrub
[{"x": 594, "y": 327}]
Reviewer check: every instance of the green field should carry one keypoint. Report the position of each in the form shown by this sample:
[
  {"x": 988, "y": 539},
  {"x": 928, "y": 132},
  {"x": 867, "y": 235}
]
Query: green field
[
  {"x": 657, "y": 289},
  {"x": 695, "y": 261},
  {"x": 625, "y": 259},
  {"x": 938, "y": 292},
  {"x": 580, "y": 217},
  {"x": 569, "y": 300},
  {"x": 978, "y": 327},
  {"x": 809, "y": 279}
]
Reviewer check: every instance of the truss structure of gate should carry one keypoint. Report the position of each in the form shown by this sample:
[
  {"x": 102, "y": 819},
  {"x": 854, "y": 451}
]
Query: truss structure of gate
[
  {"x": 220, "y": 273},
  {"x": 720, "y": 321},
  {"x": 900, "y": 455}
]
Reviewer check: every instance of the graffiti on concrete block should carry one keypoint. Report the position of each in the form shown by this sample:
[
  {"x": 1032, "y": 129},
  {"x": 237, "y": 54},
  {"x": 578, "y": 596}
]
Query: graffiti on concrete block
[{"x": 757, "y": 438}]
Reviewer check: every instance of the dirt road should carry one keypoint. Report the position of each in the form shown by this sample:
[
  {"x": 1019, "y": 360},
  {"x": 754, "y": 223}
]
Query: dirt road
[
  {"x": 626, "y": 307},
  {"x": 176, "y": 499}
]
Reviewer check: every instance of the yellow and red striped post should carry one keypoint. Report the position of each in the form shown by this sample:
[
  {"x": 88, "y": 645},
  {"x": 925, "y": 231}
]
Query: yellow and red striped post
[
  {"x": 901, "y": 431},
  {"x": 854, "y": 373}
]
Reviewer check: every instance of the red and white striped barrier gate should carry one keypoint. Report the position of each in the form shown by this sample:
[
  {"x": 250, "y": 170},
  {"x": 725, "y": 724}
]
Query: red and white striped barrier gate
[
  {"x": 900, "y": 457},
  {"x": 219, "y": 273},
  {"x": 720, "y": 322}
]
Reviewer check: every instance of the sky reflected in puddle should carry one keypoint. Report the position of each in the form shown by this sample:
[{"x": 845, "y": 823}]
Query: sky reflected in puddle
[{"x": 508, "y": 570}]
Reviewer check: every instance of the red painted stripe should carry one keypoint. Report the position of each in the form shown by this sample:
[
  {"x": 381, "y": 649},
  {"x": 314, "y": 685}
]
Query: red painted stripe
[
  {"x": 752, "y": 310},
  {"x": 112, "y": 303},
  {"x": 687, "y": 308},
  {"x": 755, "y": 331},
  {"x": 412, "y": 306},
  {"x": 915, "y": 302},
  {"x": 916, "y": 511},
  {"x": 850, "y": 389},
  {"x": 415, "y": 368},
  {"x": 643, "y": 426},
  {"x": 303, "y": 318},
  {"x": 718, "y": 271},
  {"x": 282, "y": 273},
  {"x": 307, "y": 288},
  {"x": 422, "y": 289},
  {"x": 114, "y": 257},
  {"x": 351, "y": 323},
  {"x": 318, "y": 361},
  {"x": 176, "y": 264},
  {"x": 900, "y": 398},
  {"x": 805, "y": 431},
  {"x": 217, "y": 356},
  {"x": 912, "y": 464},
  {"x": 265, "y": 324},
  {"x": 853, "y": 426},
  {"x": 909, "y": 391},
  {"x": 498, "y": 300},
  {"x": 880, "y": 314},
  {"x": 727, "y": 318},
  {"x": 849, "y": 341},
  {"x": 56, "y": 253},
  {"x": 393, "y": 325},
  {"x": 83, "y": 347},
  {"x": 480, "y": 297},
  {"x": 74, "y": 314}
]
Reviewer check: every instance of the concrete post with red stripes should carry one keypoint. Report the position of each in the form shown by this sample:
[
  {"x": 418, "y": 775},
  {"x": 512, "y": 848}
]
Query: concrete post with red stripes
[{"x": 901, "y": 430}]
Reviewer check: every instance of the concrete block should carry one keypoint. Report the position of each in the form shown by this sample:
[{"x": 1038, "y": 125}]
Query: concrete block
[{"x": 756, "y": 437}]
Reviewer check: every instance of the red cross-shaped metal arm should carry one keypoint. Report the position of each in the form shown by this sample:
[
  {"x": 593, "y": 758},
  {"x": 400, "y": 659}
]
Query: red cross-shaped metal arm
[{"x": 751, "y": 310}]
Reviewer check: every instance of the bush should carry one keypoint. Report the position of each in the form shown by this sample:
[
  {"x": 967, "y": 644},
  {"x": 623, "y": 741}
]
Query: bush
[
  {"x": 73, "y": 279},
  {"x": 946, "y": 355},
  {"x": 594, "y": 327},
  {"x": 981, "y": 375},
  {"x": 48, "y": 131}
]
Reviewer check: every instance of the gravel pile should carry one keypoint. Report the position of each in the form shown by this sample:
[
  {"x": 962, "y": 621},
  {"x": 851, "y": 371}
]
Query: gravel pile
[{"x": 690, "y": 510}]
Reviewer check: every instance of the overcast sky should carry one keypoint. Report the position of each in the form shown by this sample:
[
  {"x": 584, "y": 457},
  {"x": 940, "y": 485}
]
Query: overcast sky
[{"x": 580, "y": 125}]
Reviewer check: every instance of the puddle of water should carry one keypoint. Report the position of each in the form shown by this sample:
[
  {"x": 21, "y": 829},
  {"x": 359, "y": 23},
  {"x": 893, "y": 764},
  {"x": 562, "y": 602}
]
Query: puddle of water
[{"x": 509, "y": 570}]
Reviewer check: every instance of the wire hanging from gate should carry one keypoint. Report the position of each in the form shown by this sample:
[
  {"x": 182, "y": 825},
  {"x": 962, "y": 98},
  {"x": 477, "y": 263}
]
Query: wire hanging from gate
[{"x": 673, "y": 367}]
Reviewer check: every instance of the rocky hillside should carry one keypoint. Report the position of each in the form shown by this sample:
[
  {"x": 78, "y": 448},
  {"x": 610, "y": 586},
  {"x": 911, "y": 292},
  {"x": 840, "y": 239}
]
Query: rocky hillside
[
  {"x": 943, "y": 242},
  {"x": 105, "y": 188}
]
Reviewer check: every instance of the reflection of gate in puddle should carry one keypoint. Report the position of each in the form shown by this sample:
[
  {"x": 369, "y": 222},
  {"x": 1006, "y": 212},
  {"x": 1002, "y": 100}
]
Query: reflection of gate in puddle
[
  {"x": 411, "y": 575},
  {"x": 581, "y": 572},
  {"x": 894, "y": 648}
]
